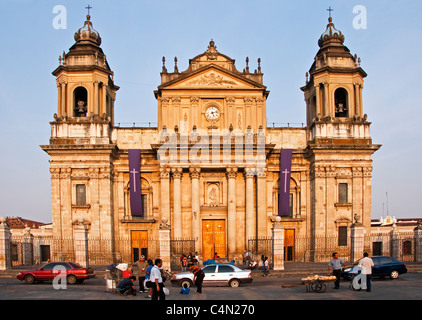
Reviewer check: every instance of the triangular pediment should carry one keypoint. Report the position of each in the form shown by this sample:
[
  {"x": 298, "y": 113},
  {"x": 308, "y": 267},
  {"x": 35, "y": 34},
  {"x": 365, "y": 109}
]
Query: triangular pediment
[{"x": 211, "y": 77}]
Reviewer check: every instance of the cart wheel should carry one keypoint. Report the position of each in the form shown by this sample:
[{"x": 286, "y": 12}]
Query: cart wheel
[{"x": 319, "y": 287}]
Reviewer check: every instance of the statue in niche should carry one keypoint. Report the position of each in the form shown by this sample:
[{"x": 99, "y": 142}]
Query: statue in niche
[{"x": 213, "y": 197}]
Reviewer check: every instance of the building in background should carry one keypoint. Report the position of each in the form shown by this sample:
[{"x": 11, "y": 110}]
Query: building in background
[{"x": 192, "y": 176}]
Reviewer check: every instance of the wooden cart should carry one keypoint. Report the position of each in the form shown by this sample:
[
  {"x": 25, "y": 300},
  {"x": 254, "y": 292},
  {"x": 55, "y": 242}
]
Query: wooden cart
[{"x": 317, "y": 285}]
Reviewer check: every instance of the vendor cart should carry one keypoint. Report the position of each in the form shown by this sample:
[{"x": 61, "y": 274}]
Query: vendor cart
[{"x": 313, "y": 284}]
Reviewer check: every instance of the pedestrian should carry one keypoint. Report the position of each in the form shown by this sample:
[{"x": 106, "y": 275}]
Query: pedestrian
[
  {"x": 157, "y": 281},
  {"x": 335, "y": 266},
  {"x": 248, "y": 257},
  {"x": 182, "y": 257},
  {"x": 148, "y": 282},
  {"x": 141, "y": 266},
  {"x": 126, "y": 286},
  {"x": 184, "y": 263},
  {"x": 198, "y": 278},
  {"x": 366, "y": 265},
  {"x": 185, "y": 289},
  {"x": 196, "y": 259},
  {"x": 266, "y": 265}
]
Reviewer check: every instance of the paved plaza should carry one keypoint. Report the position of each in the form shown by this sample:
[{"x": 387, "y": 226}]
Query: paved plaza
[{"x": 407, "y": 287}]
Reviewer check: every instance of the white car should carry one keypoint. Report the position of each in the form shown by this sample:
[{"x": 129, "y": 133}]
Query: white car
[{"x": 216, "y": 274}]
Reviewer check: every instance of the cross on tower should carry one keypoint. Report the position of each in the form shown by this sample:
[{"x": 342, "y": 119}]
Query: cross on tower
[
  {"x": 330, "y": 10},
  {"x": 89, "y": 7}
]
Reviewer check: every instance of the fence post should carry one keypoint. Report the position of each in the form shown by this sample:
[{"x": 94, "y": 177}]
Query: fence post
[
  {"x": 164, "y": 239},
  {"x": 81, "y": 243},
  {"x": 357, "y": 241},
  {"x": 395, "y": 242},
  {"x": 5, "y": 245},
  {"x": 278, "y": 244},
  {"x": 418, "y": 242},
  {"x": 28, "y": 247}
]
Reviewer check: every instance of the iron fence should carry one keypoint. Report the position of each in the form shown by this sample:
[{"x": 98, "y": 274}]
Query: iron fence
[{"x": 179, "y": 247}]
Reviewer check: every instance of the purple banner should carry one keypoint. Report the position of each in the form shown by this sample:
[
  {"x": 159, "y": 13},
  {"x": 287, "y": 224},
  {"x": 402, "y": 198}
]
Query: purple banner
[
  {"x": 135, "y": 182},
  {"x": 284, "y": 184}
]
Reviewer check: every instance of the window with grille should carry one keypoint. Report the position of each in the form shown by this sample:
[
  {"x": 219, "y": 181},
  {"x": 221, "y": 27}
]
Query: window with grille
[
  {"x": 80, "y": 195},
  {"x": 343, "y": 193},
  {"x": 342, "y": 236}
]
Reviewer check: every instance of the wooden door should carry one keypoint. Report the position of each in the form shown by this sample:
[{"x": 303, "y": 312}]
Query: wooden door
[
  {"x": 289, "y": 245},
  {"x": 213, "y": 239},
  {"x": 139, "y": 244}
]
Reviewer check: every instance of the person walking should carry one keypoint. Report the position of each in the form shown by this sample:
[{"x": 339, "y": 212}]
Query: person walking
[
  {"x": 335, "y": 266},
  {"x": 366, "y": 265},
  {"x": 148, "y": 282},
  {"x": 198, "y": 278},
  {"x": 141, "y": 266},
  {"x": 266, "y": 266},
  {"x": 157, "y": 281}
]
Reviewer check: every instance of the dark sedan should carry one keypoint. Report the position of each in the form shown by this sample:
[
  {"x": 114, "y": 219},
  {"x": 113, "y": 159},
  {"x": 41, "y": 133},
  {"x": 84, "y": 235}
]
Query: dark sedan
[
  {"x": 383, "y": 266},
  {"x": 74, "y": 273}
]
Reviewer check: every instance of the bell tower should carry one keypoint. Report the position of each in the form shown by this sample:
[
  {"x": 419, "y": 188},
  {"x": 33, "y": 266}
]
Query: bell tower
[
  {"x": 339, "y": 143},
  {"x": 86, "y": 90},
  {"x": 81, "y": 148},
  {"x": 333, "y": 91}
]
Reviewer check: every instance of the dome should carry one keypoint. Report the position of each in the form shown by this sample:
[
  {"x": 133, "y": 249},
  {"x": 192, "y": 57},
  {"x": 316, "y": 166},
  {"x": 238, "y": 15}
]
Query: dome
[
  {"x": 88, "y": 33},
  {"x": 331, "y": 34}
]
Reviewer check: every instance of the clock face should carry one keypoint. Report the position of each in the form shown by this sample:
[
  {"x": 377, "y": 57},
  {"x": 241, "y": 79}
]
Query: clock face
[{"x": 212, "y": 113}]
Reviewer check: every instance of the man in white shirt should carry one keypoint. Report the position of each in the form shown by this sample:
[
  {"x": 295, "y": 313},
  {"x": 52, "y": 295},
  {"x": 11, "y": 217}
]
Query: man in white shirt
[
  {"x": 157, "y": 281},
  {"x": 366, "y": 265}
]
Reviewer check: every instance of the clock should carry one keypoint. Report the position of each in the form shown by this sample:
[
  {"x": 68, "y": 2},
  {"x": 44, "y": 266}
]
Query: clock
[{"x": 212, "y": 113}]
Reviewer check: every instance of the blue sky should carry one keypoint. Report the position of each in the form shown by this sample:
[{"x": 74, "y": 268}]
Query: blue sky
[{"x": 137, "y": 34}]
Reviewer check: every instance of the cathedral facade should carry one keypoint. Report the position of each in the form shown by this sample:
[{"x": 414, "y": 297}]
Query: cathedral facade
[{"x": 210, "y": 170}]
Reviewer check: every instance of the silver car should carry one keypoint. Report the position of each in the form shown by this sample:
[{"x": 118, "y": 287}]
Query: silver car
[{"x": 216, "y": 274}]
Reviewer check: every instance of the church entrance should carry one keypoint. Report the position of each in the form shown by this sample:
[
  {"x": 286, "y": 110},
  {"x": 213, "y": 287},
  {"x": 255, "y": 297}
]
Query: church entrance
[
  {"x": 213, "y": 239},
  {"x": 289, "y": 245},
  {"x": 139, "y": 241}
]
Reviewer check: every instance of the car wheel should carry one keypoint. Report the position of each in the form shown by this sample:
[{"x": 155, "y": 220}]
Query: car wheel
[
  {"x": 234, "y": 283},
  {"x": 71, "y": 279},
  {"x": 185, "y": 281},
  {"x": 394, "y": 274},
  {"x": 29, "y": 279}
]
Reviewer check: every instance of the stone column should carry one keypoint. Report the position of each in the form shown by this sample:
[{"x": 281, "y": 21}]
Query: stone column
[
  {"x": 28, "y": 247},
  {"x": 326, "y": 111},
  {"x": 165, "y": 193},
  {"x": 5, "y": 245},
  {"x": 418, "y": 242},
  {"x": 357, "y": 234},
  {"x": 395, "y": 242},
  {"x": 196, "y": 214},
  {"x": 63, "y": 106},
  {"x": 318, "y": 101},
  {"x": 164, "y": 240},
  {"x": 231, "y": 211},
  {"x": 357, "y": 98},
  {"x": 81, "y": 243},
  {"x": 278, "y": 244},
  {"x": 261, "y": 190},
  {"x": 249, "y": 207},
  {"x": 177, "y": 203},
  {"x": 95, "y": 108}
]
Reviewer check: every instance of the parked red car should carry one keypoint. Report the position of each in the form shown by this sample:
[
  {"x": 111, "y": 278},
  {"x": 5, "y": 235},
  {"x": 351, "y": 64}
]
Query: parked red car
[{"x": 74, "y": 273}]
